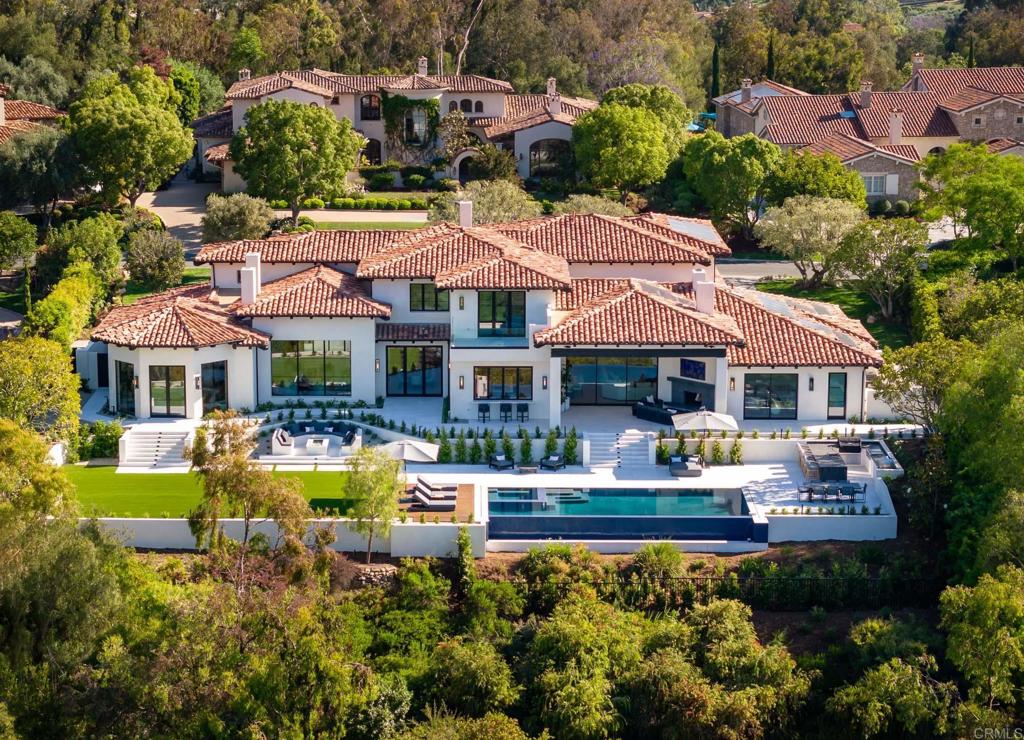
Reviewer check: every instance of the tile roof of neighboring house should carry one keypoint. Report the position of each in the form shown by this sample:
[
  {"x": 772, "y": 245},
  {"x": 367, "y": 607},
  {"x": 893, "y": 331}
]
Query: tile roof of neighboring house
[
  {"x": 26, "y": 110},
  {"x": 497, "y": 127},
  {"x": 392, "y": 332},
  {"x": 758, "y": 90},
  {"x": 922, "y": 115},
  {"x": 518, "y": 105},
  {"x": 638, "y": 312},
  {"x": 216, "y": 125},
  {"x": 996, "y": 146},
  {"x": 328, "y": 84},
  {"x": 217, "y": 154},
  {"x": 341, "y": 245},
  {"x": 13, "y": 128},
  {"x": 257, "y": 87},
  {"x": 803, "y": 119},
  {"x": 847, "y": 149},
  {"x": 948, "y": 82},
  {"x": 318, "y": 291},
  {"x": 699, "y": 232},
  {"x": 178, "y": 318}
]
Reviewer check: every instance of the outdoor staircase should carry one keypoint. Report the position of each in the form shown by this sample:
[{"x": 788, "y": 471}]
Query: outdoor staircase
[
  {"x": 154, "y": 448},
  {"x": 618, "y": 450}
]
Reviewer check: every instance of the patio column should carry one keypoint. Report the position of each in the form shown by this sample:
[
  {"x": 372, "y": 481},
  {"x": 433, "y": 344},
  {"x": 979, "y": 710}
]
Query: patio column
[
  {"x": 721, "y": 385},
  {"x": 554, "y": 392}
]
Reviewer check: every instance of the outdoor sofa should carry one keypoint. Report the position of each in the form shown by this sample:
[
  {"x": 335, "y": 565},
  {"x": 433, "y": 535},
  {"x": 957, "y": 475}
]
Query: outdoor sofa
[
  {"x": 654, "y": 409},
  {"x": 680, "y": 466},
  {"x": 500, "y": 462}
]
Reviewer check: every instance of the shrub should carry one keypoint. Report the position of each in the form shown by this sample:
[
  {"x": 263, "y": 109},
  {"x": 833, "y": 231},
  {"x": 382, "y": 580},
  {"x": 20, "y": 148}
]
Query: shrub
[
  {"x": 313, "y": 203},
  {"x": 461, "y": 453},
  {"x": 591, "y": 204},
  {"x": 507, "y": 448},
  {"x": 569, "y": 448},
  {"x": 470, "y": 677},
  {"x": 381, "y": 181},
  {"x": 238, "y": 216},
  {"x": 418, "y": 204},
  {"x": 901, "y": 208},
  {"x": 490, "y": 446},
  {"x": 66, "y": 312},
  {"x": 279, "y": 204},
  {"x": 415, "y": 171},
  {"x": 526, "y": 450},
  {"x": 717, "y": 453},
  {"x": 415, "y": 182},
  {"x": 551, "y": 443},
  {"x": 475, "y": 453},
  {"x": 99, "y": 439},
  {"x": 448, "y": 185},
  {"x": 404, "y": 205},
  {"x": 156, "y": 259},
  {"x": 736, "y": 453}
]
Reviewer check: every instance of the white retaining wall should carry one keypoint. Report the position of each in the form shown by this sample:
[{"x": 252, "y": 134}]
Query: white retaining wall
[{"x": 816, "y": 527}]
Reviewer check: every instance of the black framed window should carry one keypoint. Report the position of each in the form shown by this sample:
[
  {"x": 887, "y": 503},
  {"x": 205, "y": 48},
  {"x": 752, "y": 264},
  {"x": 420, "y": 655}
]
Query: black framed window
[
  {"x": 478, "y": 106},
  {"x": 770, "y": 395},
  {"x": 124, "y": 379},
  {"x": 415, "y": 126},
  {"x": 369, "y": 108},
  {"x": 311, "y": 367},
  {"x": 466, "y": 105},
  {"x": 453, "y": 106},
  {"x": 503, "y": 383},
  {"x": 167, "y": 390},
  {"x": 501, "y": 313},
  {"x": 215, "y": 386},
  {"x": 426, "y": 297},
  {"x": 836, "y": 395},
  {"x": 372, "y": 151}
]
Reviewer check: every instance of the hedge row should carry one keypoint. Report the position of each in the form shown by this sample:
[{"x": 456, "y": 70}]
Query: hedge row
[
  {"x": 925, "y": 322},
  {"x": 67, "y": 311},
  {"x": 360, "y": 204}
]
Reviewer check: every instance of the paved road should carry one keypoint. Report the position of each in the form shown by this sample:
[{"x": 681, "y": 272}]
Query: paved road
[{"x": 744, "y": 272}]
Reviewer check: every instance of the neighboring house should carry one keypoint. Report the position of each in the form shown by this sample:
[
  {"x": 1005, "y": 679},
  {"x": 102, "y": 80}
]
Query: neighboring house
[
  {"x": 734, "y": 112},
  {"x": 537, "y": 129},
  {"x": 210, "y": 131},
  {"x": 889, "y": 170},
  {"x": 23, "y": 116},
  {"x": 609, "y": 311}
]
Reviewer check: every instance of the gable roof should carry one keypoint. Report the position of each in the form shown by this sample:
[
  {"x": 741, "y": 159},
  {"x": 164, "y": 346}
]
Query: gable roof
[
  {"x": 216, "y": 125},
  {"x": 13, "y": 128},
  {"x": 948, "y": 82},
  {"x": 848, "y": 148},
  {"x": 26, "y": 110},
  {"x": 698, "y": 232},
  {"x": 341, "y": 245},
  {"x": 329, "y": 84},
  {"x": 185, "y": 317},
  {"x": 318, "y": 291},
  {"x": 758, "y": 90},
  {"x": 998, "y": 146},
  {"x": 510, "y": 266},
  {"x": 804, "y": 119},
  {"x": 257, "y": 87},
  {"x": 922, "y": 114},
  {"x": 526, "y": 111}
]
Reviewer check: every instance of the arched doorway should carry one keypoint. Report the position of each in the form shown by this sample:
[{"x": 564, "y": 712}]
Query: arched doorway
[
  {"x": 550, "y": 158},
  {"x": 371, "y": 152},
  {"x": 460, "y": 166}
]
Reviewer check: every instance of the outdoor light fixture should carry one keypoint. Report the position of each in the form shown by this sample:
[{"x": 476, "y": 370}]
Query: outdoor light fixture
[
  {"x": 199, "y": 382},
  {"x": 135, "y": 381},
  {"x": 544, "y": 382},
  {"x": 462, "y": 303},
  {"x": 732, "y": 384},
  {"x": 462, "y": 382},
  {"x": 810, "y": 383},
  {"x": 376, "y": 365}
]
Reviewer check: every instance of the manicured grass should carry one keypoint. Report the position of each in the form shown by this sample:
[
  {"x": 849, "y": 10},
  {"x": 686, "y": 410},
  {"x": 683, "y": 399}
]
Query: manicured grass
[
  {"x": 101, "y": 491},
  {"x": 857, "y": 305},
  {"x": 133, "y": 291},
  {"x": 367, "y": 225}
]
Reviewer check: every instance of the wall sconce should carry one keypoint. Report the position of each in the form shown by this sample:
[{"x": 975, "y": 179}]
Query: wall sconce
[
  {"x": 135, "y": 381},
  {"x": 376, "y": 365},
  {"x": 544, "y": 382},
  {"x": 199, "y": 382},
  {"x": 732, "y": 384},
  {"x": 810, "y": 383},
  {"x": 462, "y": 382},
  {"x": 462, "y": 303}
]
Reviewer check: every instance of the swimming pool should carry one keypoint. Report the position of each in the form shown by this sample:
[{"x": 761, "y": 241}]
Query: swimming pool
[{"x": 614, "y": 502}]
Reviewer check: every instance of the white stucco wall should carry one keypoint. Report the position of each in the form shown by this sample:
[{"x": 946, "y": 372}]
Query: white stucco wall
[
  {"x": 396, "y": 294},
  {"x": 811, "y": 405},
  {"x": 494, "y": 103},
  {"x": 231, "y": 181},
  {"x": 544, "y": 406},
  {"x": 525, "y": 138}
]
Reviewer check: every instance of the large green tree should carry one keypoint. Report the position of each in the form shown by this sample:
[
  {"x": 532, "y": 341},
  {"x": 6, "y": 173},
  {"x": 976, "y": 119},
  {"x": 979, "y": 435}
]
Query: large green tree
[
  {"x": 38, "y": 389},
  {"x": 944, "y": 177},
  {"x": 819, "y": 175},
  {"x": 29, "y": 483},
  {"x": 621, "y": 147},
  {"x": 237, "y": 216},
  {"x": 881, "y": 258},
  {"x": 292, "y": 152},
  {"x": 34, "y": 79},
  {"x": 39, "y": 168},
  {"x": 494, "y": 201},
  {"x": 994, "y": 206},
  {"x": 913, "y": 380},
  {"x": 374, "y": 484},
  {"x": 17, "y": 240},
  {"x": 663, "y": 103}
]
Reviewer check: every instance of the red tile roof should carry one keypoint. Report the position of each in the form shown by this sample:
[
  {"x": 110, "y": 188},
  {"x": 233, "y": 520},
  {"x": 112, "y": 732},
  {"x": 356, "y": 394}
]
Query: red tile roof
[
  {"x": 509, "y": 266},
  {"x": 633, "y": 312},
  {"x": 804, "y": 119},
  {"x": 26, "y": 110},
  {"x": 526, "y": 111},
  {"x": 14, "y": 128},
  {"x": 179, "y": 318},
  {"x": 922, "y": 115},
  {"x": 1001, "y": 145},
  {"x": 217, "y": 154},
  {"x": 847, "y": 149},
  {"x": 328, "y": 84},
  {"x": 338, "y": 246},
  {"x": 391, "y": 332},
  {"x": 216, "y": 125},
  {"x": 947, "y": 82},
  {"x": 318, "y": 291},
  {"x": 257, "y": 87},
  {"x": 695, "y": 232},
  {"x": 758, "y": 90}
]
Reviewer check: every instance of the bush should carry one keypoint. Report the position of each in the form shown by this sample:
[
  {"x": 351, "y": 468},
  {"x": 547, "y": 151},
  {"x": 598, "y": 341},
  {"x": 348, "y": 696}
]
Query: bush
[
  {"x": 448, "y": 185},
  {"x": 470, "y": 677},
  {"x": 156, "y": 260},
  {"x": 404, "y": 205},
  {"x": 416, "y": 182},
  {"x": 415, "y": 171},
  {"x": 279, "y": 204},
  {"x": 736, "y": 453},
  {"x": 418, "y": 204},
  {"x": 66, "y": 312},
  {"x": 238, "y": 216},
  {"x": 313, "y": 203},
  {"x": 569, "y": 451},
  {"x": 99, "y": 439},
  {"x": 902, "y": 208},
  {"x": 591, "y": 204},
  {"x": 881, "y": 207},
  {"x": 381, "y": 181},
  {"x": 717, "y": 453}
]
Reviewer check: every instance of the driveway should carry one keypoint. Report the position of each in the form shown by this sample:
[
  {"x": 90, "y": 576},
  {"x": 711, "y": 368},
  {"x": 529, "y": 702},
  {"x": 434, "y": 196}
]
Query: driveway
[
  {"x": 181, "y": 207},
  {"x": 748, "y": 272}
]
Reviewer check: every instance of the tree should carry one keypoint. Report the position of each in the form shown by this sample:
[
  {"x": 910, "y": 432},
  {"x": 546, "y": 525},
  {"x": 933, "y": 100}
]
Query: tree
[
  {"x": 235, "y": 217},
  {"x": 821, "y": 64},
  {"x": 592, "y": 204},
  {"x": 156, "y": 259},
  {"x": 454, "y": 132},
  {"x": 29, "y": 483},
  {"x": 620, "y": 147},
  {"x": 943, "y": 182},
  {"x": 663, "y": 103},
  {"x": 494, "y": 201},
  {"x": 246, "y": 50},
  {"x": 493, "y": 163},
  {"x": 470, "y": 677},
  {"x": 1003, "y": 540},
  {"x": 35, "y": 79},
  {"x": 236, "y": 485},
  {"x": 187, "y": 86},
  {"x": 913, "y": 380},
  {"x": 39, "y": 167},
  {"x": 994, "y": 206},
  {"x": 127, "y": 135},
  {"x": 819, "y": 175},
  {"x": 769, "y": 66},
  {"x": 374, "y": 484},
  {"x": 716, "y": 77},
  {"x": 93, "y": 240},
  {"x": 211, "y": 89},
  {"x": 881, "y": 257},
  {"x": 17, "y": 240},
  {"x": 809, "y": 230},
  {"x": 38, "y": 389},
  {"x": 293, "y": 152}
]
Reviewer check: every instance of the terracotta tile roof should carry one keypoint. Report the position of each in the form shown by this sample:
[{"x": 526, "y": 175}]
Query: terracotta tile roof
[
  {"x": 519, "y": 105},
  {"x": 318, "y": 291},
  {"x": 847, "y": 149},
  {"x": 506, "y": 126},
  {"x": 5, "y": 90},
  {"x": 947, "y": 82},
  {"x": 14, "y": 128},
  {"x": 635, "y": 312},
  {"x": 179, "y": 318},
  {"x": 922, "y": 115},
  {"x": 1001, "y": 145},
  {"x": 338, "y": 246},
  {"x": 804, "y": 119},
  {"x": 257, "y": 87},
  {"x": 216, "y": 125},
  {"x": 526, "y": 111},
  {"x": 696, "y": 232},
  {"x": 26, "y": 110},
  {"x": 328, "y": 84},
  {"x": 758, "y": 90},
  {"x": 217, "y": 154},
  {"x": 510, "y": 266},
  {"x": 391, "y": 332}
]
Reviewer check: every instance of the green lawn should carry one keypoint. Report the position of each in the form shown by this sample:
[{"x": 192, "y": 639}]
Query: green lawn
[
  {"x": 857, "y": 305},
  {"x": 133, "y": 291},
  {"x": 101, "y": 491},
  {"x": 367, "y": 225}
]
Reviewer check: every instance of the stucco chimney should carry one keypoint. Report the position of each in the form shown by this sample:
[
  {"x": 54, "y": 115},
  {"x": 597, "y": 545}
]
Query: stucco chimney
[
  {"x": 552, "y": 86},
  {"x": 916, "y": 62},
  {"x": 895, "y": 127},
  {"x": 865, "y": 94},
  {"x": 247, "y": 279},
  {"x": 465, "y": 213},
  {"x": 745, "y": 90},
  {"x": 421, "y": 66},
  {"x": 555, "y": 104},
  {"x": 252, "y": 260},
  {"x": 703, "y": 291},
  {"x": 244, "y": 74}
]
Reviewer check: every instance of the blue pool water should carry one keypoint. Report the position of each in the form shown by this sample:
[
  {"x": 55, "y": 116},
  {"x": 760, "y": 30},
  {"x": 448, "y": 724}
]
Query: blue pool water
[{"x": 613, "y": 502}]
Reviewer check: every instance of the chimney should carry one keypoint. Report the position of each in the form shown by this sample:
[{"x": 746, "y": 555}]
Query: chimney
[
  {"x": 745, "y": 90},
  {"x": 552, "y": 86},
  {"x": 555, "y": 104},
  {"x": 465, "y": 213},
  {"x": 421, "y": 66},
  {"x": 895, "y": 127},
  {"x": 244, "y": 74},
  {"x": 703, "y": 291},
  {"x": 865, "y": 94},
  {"x": 252, "y": 260},
  {"x": 249, "y": 285},
  {"x": 916, "y": 63}
]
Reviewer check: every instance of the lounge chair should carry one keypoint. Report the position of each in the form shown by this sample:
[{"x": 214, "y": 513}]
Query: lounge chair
[
  {"x": 552, "y": 462},
  {"x": 500, "y": 462},
  {"x": 680, "y": 467}
]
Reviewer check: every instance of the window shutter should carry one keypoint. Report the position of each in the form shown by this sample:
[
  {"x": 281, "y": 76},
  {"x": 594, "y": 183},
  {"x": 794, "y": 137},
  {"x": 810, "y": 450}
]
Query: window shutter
[{"x": 892, "y": 184}]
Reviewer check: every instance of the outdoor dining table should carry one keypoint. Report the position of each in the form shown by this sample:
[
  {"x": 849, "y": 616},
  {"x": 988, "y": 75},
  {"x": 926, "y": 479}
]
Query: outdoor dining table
[{"x": 853, "y": 491}]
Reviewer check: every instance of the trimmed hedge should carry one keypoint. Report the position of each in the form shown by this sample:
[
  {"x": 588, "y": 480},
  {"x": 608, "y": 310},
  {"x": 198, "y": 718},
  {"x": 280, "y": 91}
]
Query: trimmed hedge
[
  {"x": 64, "y": 314},
  {"x": 366, "y": 203},
  {"x": 925, "y": 322}
]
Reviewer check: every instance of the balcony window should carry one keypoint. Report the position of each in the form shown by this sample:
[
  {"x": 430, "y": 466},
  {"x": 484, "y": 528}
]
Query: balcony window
[
  {"x": 426, "y": 297},
  {"x": 501, "y": 313},
  {"x": 415, "y": 126}
]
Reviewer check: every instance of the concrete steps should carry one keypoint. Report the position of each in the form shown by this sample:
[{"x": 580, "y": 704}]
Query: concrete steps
[
  {"x": 154, "y": 448},
  {"x": 616, "y": 450}
]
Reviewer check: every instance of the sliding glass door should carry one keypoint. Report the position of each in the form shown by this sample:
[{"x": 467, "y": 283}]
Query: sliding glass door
[
  {"x": 610, "y": 381},
  {"x": 770, "y": 395},
  {"x": 125, "y": 386},
  {"x": 215, "y": 386},
  {"x": 415, "y": 371},
  {"x": 167, "y": 390}
]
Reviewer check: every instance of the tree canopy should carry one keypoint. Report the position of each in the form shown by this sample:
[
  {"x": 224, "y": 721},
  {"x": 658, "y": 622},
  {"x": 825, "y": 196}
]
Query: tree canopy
[
  {"x": 621, "y": 147},
  {"x": 663, "y": 103},
  {"x": 38, "y": 390}
]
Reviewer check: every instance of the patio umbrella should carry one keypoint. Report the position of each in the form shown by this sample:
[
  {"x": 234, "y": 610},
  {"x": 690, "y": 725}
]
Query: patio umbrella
[
  {"x": 412, "y": 450},
  {"x": 704, "y": 421}
]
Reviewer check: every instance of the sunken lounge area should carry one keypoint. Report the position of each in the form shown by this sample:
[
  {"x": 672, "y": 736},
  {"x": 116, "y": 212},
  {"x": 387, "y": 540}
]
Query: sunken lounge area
[{"x": 308, "y": 439}]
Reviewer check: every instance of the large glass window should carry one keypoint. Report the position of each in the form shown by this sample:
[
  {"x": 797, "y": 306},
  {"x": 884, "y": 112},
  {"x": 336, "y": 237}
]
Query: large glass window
[
  {"x": 215, "y": 386},
  {"x": 125, "y": 382},
  {"x": 415, "y": 126},
  {"x": 426, "y": 297},
  {"x": 167, "y": 390},
  {"x": 503, "y": 383},
  {"x": 770, "y": 395},
  {"x": 369, "y": 108},
  {"x": 311, "y": 367},
  {"x": 837, "y": 395},
  {"x": 612, "y": 380},
  {"x": 415, "y": 371},
  {"x": 550, "y": 158},
  {"x": 501, "y": 313}
]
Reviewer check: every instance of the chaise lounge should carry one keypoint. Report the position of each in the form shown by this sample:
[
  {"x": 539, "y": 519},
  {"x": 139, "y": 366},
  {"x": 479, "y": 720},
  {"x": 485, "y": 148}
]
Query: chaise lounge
[
  {"x": 500, "y": 462},
  {"x": 552, "y": 462},
  {"x": 680, "y": 466}
]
